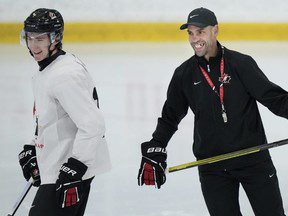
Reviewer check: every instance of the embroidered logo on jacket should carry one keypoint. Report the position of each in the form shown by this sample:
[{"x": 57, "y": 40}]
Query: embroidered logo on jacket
[{"x": 226, "y": 79}]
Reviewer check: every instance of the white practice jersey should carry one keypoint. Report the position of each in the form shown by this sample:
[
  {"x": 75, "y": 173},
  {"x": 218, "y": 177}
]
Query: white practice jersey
[{"x": 68, "y": 120}]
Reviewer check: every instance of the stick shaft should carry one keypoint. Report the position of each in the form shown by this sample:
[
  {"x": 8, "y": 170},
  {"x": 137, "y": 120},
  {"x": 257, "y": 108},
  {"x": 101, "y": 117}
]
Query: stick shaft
[
  {"x": 228, "y": 156},
  {"x": 21, "y": 198}
]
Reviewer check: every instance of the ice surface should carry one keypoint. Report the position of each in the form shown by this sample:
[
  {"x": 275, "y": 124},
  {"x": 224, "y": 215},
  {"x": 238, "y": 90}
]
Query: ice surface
[{"x": 132, "y": 80}]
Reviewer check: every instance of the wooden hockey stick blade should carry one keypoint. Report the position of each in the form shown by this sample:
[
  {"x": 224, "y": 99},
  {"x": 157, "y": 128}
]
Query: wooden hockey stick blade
[
  {"x": 21, "y": 198},
  {"x": 228, "y": 156}
]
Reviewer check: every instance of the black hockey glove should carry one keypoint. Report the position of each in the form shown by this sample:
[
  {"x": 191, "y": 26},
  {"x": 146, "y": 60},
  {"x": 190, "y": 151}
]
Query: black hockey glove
[
  {"x": 153, "y": 164},
  {"x": 69, "y": 183},
  {"x": 28, "y": 162}
]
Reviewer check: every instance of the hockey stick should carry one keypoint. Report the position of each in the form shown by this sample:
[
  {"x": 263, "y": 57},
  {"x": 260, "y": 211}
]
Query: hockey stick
[
  {"x": 21, "y": 198},
  {"x": 228, "y": 156}
]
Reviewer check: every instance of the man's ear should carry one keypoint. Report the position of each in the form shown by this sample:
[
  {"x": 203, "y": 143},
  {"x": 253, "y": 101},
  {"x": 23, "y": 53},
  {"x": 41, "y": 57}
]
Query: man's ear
[{"x": 215, "y": 30}]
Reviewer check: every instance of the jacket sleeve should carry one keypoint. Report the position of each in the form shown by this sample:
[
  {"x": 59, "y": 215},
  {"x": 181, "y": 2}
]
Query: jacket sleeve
[
  {"x": 174, "y": 110},
  {"x": 72, "y": 92},
  {"x": 258, "y": 86}
]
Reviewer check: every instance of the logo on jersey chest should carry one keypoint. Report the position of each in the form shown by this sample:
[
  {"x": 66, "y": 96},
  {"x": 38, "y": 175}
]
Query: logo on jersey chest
[{"x": 39, "y": 145}]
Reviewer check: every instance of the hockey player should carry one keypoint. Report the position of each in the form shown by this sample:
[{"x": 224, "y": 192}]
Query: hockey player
[
  {"x": 69, "y": 147},
  {"x": 221, "y": 87}
]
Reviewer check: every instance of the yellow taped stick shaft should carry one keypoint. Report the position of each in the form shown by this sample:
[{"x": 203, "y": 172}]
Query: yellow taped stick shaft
[{"x": 227, "y": 156}]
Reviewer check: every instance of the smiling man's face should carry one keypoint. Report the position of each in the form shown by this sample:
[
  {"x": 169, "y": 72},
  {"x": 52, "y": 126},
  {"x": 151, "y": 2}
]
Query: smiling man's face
[
  {"x": 203, "y": 40},
  {"x": 38, "y": 44}
]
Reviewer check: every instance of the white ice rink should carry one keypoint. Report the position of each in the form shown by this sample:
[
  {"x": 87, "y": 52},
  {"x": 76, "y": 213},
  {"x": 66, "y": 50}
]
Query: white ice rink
[{"x": 132, "y": 80}]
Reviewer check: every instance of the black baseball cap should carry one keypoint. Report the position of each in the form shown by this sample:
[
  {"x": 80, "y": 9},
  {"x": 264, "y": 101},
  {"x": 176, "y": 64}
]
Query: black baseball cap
[{"x": 200, "y": 17}]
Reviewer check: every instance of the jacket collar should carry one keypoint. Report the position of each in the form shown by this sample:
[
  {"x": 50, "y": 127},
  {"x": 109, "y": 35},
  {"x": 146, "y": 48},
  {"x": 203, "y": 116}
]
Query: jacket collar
[{"x": 212, "y": 60}]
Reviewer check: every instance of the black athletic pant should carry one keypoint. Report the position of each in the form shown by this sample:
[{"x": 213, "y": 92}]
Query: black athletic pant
[
  {"x": 44, "y": 203},
  {"x": 260, "y": 182}
]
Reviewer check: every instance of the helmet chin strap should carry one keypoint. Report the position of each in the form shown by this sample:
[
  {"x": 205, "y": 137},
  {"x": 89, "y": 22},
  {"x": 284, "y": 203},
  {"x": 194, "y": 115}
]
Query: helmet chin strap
[
  {"x": 30, "y": 52},
  {"x": 28, "y": 48},
  {"x": 51, "y": 51}
]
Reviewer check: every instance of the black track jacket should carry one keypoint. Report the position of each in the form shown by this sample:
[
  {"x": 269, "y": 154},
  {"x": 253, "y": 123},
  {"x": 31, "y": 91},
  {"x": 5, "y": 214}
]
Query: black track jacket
[{"x": 189, "y": 88}]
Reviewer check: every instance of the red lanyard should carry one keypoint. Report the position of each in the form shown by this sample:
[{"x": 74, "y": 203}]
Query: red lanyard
[{"x": 221, "y": 88}]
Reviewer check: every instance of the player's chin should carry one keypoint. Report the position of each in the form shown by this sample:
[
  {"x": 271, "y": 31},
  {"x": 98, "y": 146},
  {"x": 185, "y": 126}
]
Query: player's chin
[
  {"x": 199, "y": 54},
  {"x": 38, "y": 57}
]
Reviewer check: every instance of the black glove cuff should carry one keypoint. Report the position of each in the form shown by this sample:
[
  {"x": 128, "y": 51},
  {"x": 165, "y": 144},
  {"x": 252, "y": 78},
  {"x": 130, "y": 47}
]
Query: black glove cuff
[
  {"x": 28, "y": 146},
  {"x": 73, "y": 169}
]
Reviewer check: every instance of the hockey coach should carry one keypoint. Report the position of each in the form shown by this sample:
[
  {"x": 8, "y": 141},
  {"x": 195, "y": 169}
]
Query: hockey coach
[{"x": 221, "y": 87}]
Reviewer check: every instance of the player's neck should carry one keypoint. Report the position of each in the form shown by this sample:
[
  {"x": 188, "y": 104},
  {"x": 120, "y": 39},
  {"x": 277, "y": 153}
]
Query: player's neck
[{"x": 45, "y": 62}]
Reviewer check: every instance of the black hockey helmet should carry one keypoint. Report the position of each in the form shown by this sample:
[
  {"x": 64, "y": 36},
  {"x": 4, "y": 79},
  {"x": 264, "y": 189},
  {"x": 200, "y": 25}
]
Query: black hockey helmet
[{"x": 44, "y": 20}]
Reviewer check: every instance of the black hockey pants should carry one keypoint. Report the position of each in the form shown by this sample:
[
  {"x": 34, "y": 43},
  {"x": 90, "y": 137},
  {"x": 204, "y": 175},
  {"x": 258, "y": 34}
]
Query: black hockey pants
[
  {"x": 44, "y": 203},
  {"x": 221, "y": 190}
]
